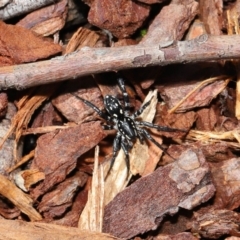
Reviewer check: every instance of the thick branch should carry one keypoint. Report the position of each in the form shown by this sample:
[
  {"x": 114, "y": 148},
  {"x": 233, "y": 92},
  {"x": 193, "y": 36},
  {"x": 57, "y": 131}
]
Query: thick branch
[{"x": 96, "y": 60}]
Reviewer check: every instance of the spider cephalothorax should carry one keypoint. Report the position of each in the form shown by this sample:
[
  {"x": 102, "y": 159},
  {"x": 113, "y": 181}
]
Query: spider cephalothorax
[{"x": 128, "y": 127}]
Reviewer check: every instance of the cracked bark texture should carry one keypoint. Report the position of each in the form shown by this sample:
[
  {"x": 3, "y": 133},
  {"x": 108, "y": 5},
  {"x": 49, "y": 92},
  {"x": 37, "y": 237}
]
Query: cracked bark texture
[{"x": 186, "y": 183}]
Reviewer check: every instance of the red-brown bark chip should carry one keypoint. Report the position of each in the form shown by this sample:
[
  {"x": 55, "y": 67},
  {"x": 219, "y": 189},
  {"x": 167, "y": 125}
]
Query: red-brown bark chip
[
  {"x": 71, "y": 218},
  {"x": 141, "y": 207},
  {"x": 121, "y": 17},
  {"x": 226, "y": 178},
  {"x": 201, "y": 97},
  {"x": 56, "y": 202},
  {"x": 179, "y": 236},
  {"x": 3, "y": 104},
  {"x": 216, "y": 224},
  {"x": 171, "y": 23},
  {"x": 151, "y": 1},
  {"x": 19, "y": 45},
  {"x": 57, "y": 152},
  {"x": 211, "y": 14}
]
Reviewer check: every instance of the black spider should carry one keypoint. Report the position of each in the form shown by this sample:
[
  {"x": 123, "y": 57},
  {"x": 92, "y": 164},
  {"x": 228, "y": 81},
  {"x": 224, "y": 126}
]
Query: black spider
[{"x": 127, "y": 126}]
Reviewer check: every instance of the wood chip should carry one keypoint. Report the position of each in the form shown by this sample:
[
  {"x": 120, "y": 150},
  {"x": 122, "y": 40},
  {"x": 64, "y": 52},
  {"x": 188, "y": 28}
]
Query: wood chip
[
  {"x": 216, "y": 224},
  {"x": 19, "y": 45},
  {"x": 121, "y": 17},
  {"x": 171, "y": 23},
  {"x": 82, "y": 37},
  {"x": 57, "y": 152},
  {"x": 18, "y": 198},
  {"x": 53, "y": 20},
  {"x": 16, "y": 230},
  {"x": 55, "y": 203},
  {"x": 185, "y": 183},
  {"x": 92, "y": 215}
]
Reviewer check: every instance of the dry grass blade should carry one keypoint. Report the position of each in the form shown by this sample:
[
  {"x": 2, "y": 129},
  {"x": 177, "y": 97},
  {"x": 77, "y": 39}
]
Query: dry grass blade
[
  {"x": 208, "y": 136},
  {"x": 25, "y": 159},
  {"x": 41, "y": 130}
]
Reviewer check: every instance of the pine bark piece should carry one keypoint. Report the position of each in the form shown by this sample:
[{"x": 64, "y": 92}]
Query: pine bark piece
[
  {"x": 74, "y": 109},
  {"x": 195, "y": 94},
  {"x": 211, "y": 15},
  {"x": 19, "y": 45},
  {"x": 216, "y": 223},
  {"x": 71, "y": 218},
  {"x": 226, "y": 178},
  {"x": 53, "y": 20},
  {"x": 179, "y": 236},
  {"x": 121, "y": 17},
  {"x": 7, "y": 211},
  {"x": 15, "y": 230},
  {"x": 151, "y": 1},
  {"x": 56, "y": 153},
  {"x": 56, "y": 202},
  {"x": 48, "y": 116},
  {"x": 3, "y": 104},
  {"x": 141, "y": 207},
  {"x": 206, "y": 119},
  {"x": 171, "y": 23}
]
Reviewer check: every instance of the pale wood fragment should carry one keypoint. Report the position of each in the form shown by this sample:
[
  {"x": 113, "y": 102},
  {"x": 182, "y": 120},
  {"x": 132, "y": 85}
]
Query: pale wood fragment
[
  {"x": 25, "y": 179},
  {"x": 92, "y": 216},
  {"x": 18, "y": 198},
  {"x": 81, "y": 38},
  {"x": 19, "y": 230}
]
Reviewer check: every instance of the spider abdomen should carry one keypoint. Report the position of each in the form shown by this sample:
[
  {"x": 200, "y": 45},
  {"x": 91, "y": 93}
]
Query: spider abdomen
[{"x": 127, "y": 128}]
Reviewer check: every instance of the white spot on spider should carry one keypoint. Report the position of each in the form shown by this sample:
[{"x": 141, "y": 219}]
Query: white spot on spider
[
  {"x": 121, "y": 111},
  {"x": 115, "y": 115}
]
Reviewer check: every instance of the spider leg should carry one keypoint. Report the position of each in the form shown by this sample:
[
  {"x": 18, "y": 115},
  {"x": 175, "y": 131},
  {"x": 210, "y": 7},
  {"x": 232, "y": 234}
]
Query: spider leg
[
  {"x": 159, "y": 128},
  {"x": 125, "y": 95},
  {"x": 140, "y": 135},
  {"x": 126, "y": 148},
  {"x": 148, "y": 136},
  {"x": 95, "y": 108},
  {"x": 142, "y": 108},
  {"x": 108, "y": 127},
  {"x": 116, "y": 148}
]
